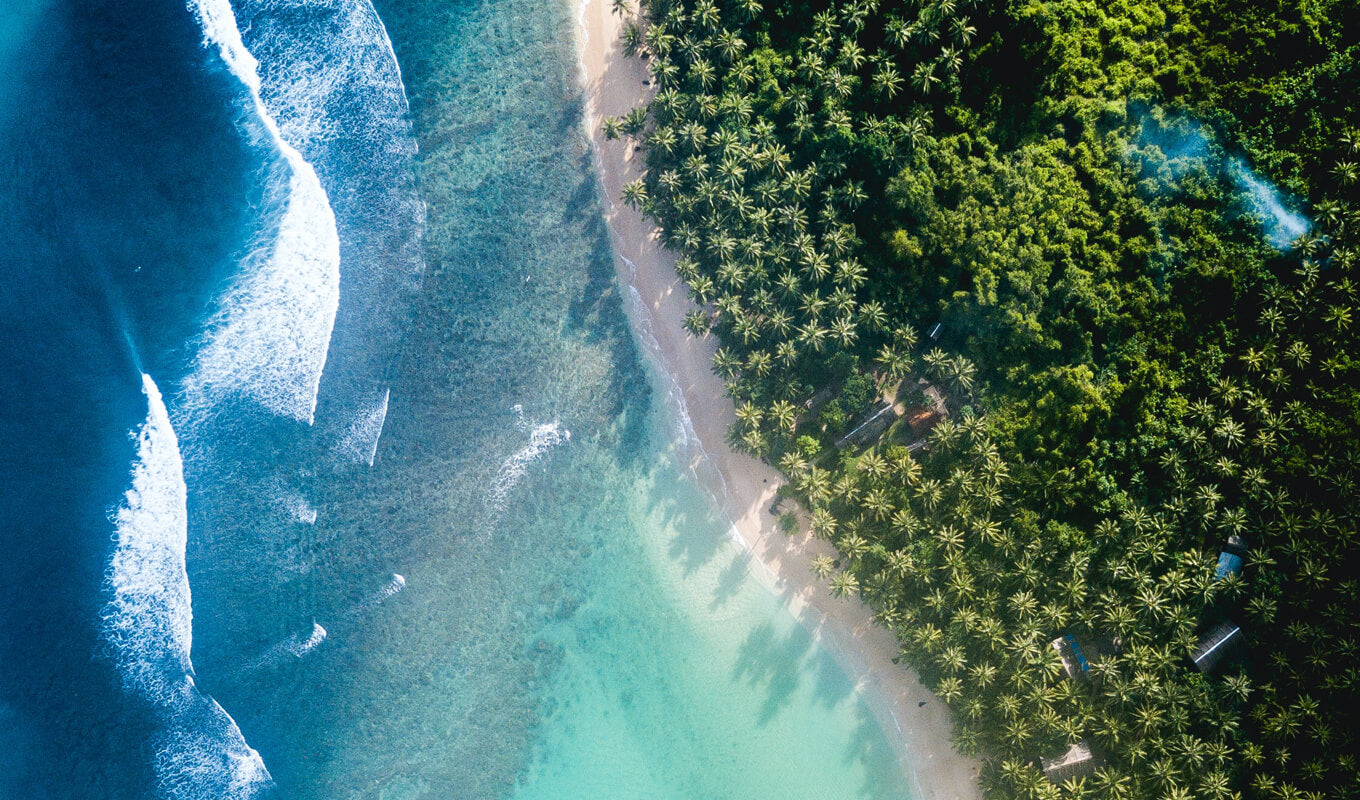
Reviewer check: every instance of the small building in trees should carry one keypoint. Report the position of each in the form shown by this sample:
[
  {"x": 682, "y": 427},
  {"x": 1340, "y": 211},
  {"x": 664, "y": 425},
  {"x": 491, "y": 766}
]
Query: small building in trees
[
  {"x": 935, "y": 331},
  {"x": 1215, "y": 645},
  {"x": 1079, "y": 653},
  {"x": 821, "y": 398},
  {"x": 877, "y": 420},
  {"x": 1231, "y": 558},
  {"x": 1077, "y": 762},
  {"x": 922, "y": 420},
  {"x": 1073, "y": 656}
]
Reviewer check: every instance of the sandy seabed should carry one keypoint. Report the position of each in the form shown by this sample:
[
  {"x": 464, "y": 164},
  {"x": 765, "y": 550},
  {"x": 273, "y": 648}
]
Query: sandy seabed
[{"x": 745, "y": 487}]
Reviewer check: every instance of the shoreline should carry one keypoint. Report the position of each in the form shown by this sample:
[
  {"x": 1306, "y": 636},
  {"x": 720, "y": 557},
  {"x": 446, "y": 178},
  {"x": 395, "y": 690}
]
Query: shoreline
[{"x": 744, "y": 487}]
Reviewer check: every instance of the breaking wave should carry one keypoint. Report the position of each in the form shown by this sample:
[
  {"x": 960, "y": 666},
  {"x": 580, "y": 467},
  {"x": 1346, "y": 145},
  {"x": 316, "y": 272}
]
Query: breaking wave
[
  {"x": 360, "y": 441},
  {"x": 542, "y": 438},
  {"x": 269, "y": 340},
  {"x": 381, "y": 595},
  {"x": 329, "y": 76},
  {"x": 294, "y": 647},
  {"x": 147, "y": 624}
]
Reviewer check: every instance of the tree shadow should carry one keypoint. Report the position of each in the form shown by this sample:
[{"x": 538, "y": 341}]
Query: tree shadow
[
  {"x": 736, "y": 573},
  {"x": 693, "y": 546},
  {"x": 834, "y": 685},
  {"x": 775, "y": 663}
]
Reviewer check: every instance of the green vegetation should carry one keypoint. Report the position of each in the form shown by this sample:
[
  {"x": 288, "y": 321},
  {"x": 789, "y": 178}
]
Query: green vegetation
[{"x": 1140, "y": 356}]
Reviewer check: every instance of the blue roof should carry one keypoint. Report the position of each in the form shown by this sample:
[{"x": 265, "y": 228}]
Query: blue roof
[{"x": 1228, "y": 564}]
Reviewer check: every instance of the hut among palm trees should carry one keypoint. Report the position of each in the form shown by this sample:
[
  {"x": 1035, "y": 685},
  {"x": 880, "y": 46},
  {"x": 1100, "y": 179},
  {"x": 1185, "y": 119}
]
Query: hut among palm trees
[
  {"x": 1215, "y": 645},
  {"x": 921, "y": 421},
  {"x": 1077, "y": 762},
  {"x": 1073, "y": 656},
  {"x": 877, "y": 420},
  {"x": 1231, "y": 558},
  {"x": 1078, "y": 654}
]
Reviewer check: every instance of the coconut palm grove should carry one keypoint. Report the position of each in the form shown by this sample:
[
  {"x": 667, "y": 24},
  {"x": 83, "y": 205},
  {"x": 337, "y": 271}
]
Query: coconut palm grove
[{"x": 1047, "y": 309}]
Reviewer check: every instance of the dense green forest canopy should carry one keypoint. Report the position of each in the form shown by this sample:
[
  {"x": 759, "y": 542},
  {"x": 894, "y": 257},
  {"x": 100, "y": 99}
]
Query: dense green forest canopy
[{"x": 1114, "y": 243}]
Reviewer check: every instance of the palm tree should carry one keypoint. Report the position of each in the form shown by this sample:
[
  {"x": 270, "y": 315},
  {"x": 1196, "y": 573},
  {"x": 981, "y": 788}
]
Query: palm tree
[
  {"x": 960, "y": 373},
  {"x": 703, "y": 72},
  {"x": 726, "y": 363},
  {"x": 749, "y": 414},
  {"x": 784, "y": 414},
  {"x": 816, "y": 484},
  {"x": 813, "y": 335},
  {"x": 923, "y": 77},
  {"x": 1017, "y": 733},
  {"x": 706, "y": 14},
  {"x": 697, "y": 323},
  {"x": 843, "y": 330},
  {"x": 759, "y": 363},
  {"x": 793, "y": 464},
  {"x": 962, "y": 31},
  {"x": 949, "y": 689},
  {"x": 887, "y": 81},
  {"x": 844, "y": 584},
  {"x": 635, "y": 194},
  {"x": 729, "y": 46}
]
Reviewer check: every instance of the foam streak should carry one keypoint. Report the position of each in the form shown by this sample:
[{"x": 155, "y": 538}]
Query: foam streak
[
  {"x": 542, "y": 438},
  {"x": 271, "y": 336},
  {"x": 360, "y": 442},
  {"x": 148, "y": 624}
]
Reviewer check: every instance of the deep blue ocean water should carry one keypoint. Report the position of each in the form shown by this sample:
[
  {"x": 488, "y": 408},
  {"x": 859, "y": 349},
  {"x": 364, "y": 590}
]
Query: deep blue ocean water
[{"x": 331, "y": 467}]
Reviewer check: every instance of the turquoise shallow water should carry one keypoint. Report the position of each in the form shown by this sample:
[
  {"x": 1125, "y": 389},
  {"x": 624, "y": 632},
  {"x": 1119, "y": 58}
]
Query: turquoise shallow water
[
  {"x": 663, "y": 669},
  {"x": 684, "y": 677}
]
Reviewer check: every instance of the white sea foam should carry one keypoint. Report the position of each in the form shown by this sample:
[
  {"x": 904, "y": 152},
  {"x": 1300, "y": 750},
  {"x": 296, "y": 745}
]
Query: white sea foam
[
  {"x": 379, "y": 596},
  {"x": 149, "y": 621},
  {"x": 302, "y": 647},
  {"x": 201, "y": 754},
  {"x": 294, "y": 647},
  {"x": 542, "y": 438},
  {"x": 297, "y": 506},
  {"x": 148, "y": 625},
  {"x": 685, "y": 436},
  {"x": 269, "y": 339},
  {"x": 360, "y": 441},
  {"x": 328, "y": 51}
]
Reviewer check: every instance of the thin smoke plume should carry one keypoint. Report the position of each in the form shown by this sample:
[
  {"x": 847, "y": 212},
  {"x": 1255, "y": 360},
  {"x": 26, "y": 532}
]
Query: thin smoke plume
[{"x": 1185, "y": 148}]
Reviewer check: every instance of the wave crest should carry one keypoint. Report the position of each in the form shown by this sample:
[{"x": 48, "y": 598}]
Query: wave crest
[
  {"x": 542, "y": 438},
  {"x": 360, "y": 441},
  {"x": 269, "y": 339},
  {"x": 148, "y": 625}
]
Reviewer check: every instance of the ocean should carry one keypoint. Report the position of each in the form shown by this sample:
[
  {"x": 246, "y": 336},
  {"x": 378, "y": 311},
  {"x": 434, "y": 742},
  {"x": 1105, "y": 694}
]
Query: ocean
[{"x": 332, "y": 468}]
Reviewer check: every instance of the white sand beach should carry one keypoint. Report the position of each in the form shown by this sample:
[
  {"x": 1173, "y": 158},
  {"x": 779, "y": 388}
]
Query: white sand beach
[{"x": 744, "y": 486}]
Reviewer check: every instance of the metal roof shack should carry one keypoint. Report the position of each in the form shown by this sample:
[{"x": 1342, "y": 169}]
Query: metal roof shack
[
  {"x": 1230, "y": 560},
  {"x": 1215, "y": 645},
  {"x": 1077, "y": 762},
  {"x": 1074, "y": 660},
  {"x": 876, "y": 422}
]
